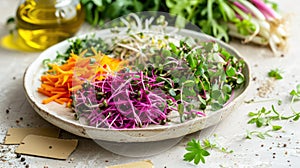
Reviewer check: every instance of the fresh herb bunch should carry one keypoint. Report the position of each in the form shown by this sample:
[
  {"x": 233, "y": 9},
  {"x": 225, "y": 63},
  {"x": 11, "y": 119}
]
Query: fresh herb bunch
[
  {"x": 198, "y": 77},
  {"x": 100, "y": 11},
  {"x": 264, "y": 118},
  {"x": 252, "y": 21},
  {"x": 216, "y": 72},
  {"x": 77, "y": 46}
]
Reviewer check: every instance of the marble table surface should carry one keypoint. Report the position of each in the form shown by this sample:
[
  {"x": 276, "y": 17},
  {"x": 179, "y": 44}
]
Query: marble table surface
[{"x": 280, "y": 150}]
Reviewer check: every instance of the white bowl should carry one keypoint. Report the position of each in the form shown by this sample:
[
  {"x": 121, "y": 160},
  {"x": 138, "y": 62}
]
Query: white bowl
[{"x": 63, "y": 117}]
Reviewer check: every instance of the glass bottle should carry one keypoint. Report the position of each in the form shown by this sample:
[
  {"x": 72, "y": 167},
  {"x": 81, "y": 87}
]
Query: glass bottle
[{"x": 42, "y": 23}]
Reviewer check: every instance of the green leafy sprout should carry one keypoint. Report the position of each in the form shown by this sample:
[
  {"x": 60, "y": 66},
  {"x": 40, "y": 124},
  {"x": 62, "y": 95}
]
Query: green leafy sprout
[
  {"x": 275, "y": 73},
  {"x": 264, "y": 117}
]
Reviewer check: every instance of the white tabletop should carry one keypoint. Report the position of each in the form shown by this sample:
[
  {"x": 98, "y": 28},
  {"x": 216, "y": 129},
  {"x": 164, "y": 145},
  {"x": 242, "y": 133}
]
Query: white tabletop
[{"x": 281, "y": 150}]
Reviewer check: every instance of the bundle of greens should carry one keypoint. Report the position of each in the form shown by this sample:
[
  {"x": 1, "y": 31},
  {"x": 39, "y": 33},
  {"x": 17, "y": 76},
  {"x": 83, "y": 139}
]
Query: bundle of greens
[
  {"x": 99, "y": 11},
  {"x": 250, "y": 20},
  {"x": 255, "y": 21}
]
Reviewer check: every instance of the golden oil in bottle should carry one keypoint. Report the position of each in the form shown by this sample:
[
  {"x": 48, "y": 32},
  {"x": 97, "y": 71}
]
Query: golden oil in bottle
[{"x": 42, "y": 23}]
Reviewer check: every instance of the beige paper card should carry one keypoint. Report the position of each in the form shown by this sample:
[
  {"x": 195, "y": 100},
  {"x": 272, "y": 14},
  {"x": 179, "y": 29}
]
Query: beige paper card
[
  {"x": 140, "y": 164},
  {"x": 16, "y": 135},
  {"x": 47, "y": 146}
]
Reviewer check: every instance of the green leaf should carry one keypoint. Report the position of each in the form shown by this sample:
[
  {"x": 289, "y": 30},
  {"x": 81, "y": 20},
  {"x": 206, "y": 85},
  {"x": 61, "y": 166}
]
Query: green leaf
[
  {"x": 251, "y": 114},
  {"x": 252, "y": 121},
  {"x": 260, "y": 135},
  {"x": 296, "y": 118},
  {"x": 226, "y": 88},
  {"x": 260, "y": 122},
  {"x": 298, "y": 88},
  {"x": 176, "y": 80},
  {"x": 180, "y": 109},
  {"x": 216, "y": 106},
  {"x": 230, "y": 71},
  {"x": 216, "y": 94},
  {"x": 189, "y": 83},
  {"x": 279, "y": 102},
  {"x": 205, "y": 153},
  {"x": 245, "y": 27},
  {"x": 249, "y": 135},
  {"x": 166, "y": 53},
  {"x": 195, "y": 152},
  {"x": 240, "y": 79},
  {"x": 275, "y": 73},
  {"x": 206, "y": 143},
  {"x": 197, "y": 159},
  {"x": 192, "y": 61},
  {"x": 293, "y": 93},
  {"x": 189, "y": 156},
  {"x": 273, "y": 109},
  {"x": 173, "y": 48},
  {"x": 263, "y": 110},
  {"x": 172, "y": 92},
  {"x": 276, "y": 127},
  {"x": 46, "y": 62}
]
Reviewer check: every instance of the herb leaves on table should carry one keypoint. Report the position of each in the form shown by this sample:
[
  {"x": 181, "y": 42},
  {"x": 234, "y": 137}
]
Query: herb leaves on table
[
  {"x": 265, "y": 117},
  {"x": 197, "y": 150},
  {"x": 275, "y": 73}
]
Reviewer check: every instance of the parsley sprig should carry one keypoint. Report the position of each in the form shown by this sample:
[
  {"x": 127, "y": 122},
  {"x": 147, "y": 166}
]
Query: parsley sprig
[{"x": 197, "y": 150}]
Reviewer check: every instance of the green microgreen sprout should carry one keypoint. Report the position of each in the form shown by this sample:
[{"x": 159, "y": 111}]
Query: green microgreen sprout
[
  {"x": 261, "y": 135},
  {"x": 264, "y": 117},
  {"x": 275, "y": 73}
]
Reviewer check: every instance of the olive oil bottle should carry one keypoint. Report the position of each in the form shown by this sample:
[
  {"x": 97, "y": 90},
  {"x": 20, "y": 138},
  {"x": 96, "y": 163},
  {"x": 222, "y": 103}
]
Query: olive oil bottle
[{"x": 42, "y": 23}]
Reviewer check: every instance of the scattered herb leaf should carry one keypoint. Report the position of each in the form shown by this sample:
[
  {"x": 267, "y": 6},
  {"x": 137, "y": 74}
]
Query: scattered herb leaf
[
  {"x": 276, "y": 74},
  {"x": 195, "y": 152}
]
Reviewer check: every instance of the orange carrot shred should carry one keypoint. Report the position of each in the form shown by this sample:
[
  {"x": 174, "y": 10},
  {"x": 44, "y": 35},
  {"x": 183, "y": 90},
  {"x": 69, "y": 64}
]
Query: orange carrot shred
[{"x": 60, "y": 81}]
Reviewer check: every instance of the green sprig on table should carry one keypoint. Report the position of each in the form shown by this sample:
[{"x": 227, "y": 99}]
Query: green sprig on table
[
  {"x": 264, "y": 117},
  {"x": 197, "y": 150},
  {"x": 275, "y": 73}
]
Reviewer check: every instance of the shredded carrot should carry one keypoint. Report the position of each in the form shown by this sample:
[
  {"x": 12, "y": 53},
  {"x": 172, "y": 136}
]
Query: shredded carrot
[
  {"x": 60, "y": 81},
  {"x": 50, "y": 99}
]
